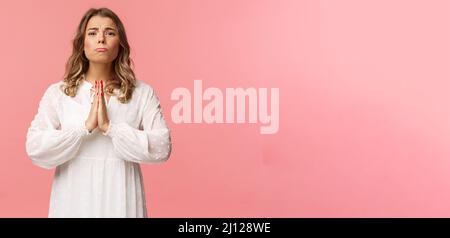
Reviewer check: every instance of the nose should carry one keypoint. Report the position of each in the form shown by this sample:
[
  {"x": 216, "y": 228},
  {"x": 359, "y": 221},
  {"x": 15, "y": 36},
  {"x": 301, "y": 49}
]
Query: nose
[{"x": 101, "y": 38}]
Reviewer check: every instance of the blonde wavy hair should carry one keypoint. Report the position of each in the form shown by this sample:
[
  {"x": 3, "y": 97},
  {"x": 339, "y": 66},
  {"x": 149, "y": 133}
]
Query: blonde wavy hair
[{"x": 77, "y": 65}]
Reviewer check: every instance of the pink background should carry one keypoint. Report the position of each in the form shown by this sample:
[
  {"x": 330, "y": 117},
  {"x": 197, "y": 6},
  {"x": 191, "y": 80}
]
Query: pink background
[{"x": 364, "y": 104}]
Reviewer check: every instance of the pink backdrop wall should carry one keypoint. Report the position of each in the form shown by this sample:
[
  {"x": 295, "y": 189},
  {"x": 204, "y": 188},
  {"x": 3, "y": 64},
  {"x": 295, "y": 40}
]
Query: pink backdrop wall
[{"x": 364, "y": 104}]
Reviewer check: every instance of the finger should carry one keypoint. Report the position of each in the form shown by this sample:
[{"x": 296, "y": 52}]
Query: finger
[
  {"x": 100, "y": 99},
  {"x": 101, "y": 83},
  {"x": 95, "y": 103},
  {"x": 97, "y": 87},
  {"x": 99, "y": 92},
  {"x": 102, "y": 94}
]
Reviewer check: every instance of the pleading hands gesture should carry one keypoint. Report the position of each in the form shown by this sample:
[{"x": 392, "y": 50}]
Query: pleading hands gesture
[{"x": 98, "y": 115}]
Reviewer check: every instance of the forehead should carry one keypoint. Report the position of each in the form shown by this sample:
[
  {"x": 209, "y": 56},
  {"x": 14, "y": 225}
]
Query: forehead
[{"x": 100, "y": 22}]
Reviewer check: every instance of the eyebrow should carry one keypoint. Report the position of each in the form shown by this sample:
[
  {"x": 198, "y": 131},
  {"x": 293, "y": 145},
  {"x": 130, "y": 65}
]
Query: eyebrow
[{"x": 106, "y": 28}]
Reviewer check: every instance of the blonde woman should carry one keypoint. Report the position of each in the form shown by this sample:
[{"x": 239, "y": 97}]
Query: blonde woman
[{"x": 97, "y": 126}]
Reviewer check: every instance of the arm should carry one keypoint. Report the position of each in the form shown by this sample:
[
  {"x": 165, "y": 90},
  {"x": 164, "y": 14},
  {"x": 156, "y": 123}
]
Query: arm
[
  {"x": 149, "y": 144},
  {"x": 47, "y": 146}
]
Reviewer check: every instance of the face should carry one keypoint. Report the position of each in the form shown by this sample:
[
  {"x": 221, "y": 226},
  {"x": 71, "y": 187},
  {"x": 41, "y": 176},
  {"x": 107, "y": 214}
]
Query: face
[{"x": 101, "y": 41}]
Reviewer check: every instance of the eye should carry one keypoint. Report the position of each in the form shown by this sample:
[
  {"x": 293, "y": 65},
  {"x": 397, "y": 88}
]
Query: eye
[
  {"x": 111, "y": 33},
  {"x": 91, "y": 33}
]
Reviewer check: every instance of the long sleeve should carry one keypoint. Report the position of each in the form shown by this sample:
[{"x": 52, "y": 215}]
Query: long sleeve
[
  {"x": 46, "y": 144},
  {"x": 151, "y": 143}
]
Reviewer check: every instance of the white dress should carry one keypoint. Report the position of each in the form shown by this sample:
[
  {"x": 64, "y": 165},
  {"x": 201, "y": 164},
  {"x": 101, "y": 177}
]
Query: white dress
[{"x": 98, "y": 174}]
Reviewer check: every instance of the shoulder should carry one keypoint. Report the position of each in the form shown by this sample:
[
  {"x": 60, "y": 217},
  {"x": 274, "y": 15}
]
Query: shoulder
[
  {"x": 54, "y": 89},
  {"x": 52, "y": 95},
  {"x": 147, "y": 95},
  {"x": 144, "y": 89}
]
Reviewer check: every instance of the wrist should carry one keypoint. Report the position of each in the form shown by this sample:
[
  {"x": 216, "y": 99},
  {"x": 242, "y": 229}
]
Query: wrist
[
  {"x": 105, "y": 127},
  {"x": 85, "y": 129},
  {"x": 110, "y": 130}
]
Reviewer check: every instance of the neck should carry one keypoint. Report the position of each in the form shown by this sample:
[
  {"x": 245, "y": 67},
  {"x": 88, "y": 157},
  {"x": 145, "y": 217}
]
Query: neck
[{"x": 99, "y": 71}]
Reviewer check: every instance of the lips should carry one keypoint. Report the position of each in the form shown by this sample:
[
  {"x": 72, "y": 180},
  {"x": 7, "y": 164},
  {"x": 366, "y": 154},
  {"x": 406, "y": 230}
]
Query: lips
[{"x": 101, "y": 49}]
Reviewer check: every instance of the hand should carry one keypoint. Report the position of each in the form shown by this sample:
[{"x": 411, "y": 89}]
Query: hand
[
  {"x": 92, "y": 122},
  {"x": 102, "y": 116}
]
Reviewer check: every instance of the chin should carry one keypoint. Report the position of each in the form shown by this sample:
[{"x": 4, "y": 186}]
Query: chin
[{"x": 101, "y": 61}]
